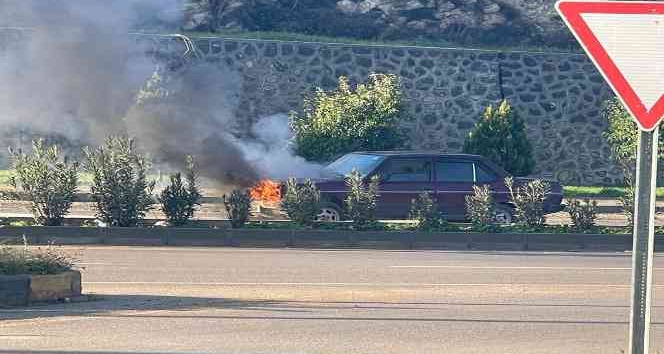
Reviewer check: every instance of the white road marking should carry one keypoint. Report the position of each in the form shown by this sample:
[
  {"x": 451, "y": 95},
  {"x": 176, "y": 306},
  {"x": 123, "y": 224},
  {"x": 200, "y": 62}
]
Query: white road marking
[
  {"x": 508, "y": 267},
  {"x": 352, "y": 284}
]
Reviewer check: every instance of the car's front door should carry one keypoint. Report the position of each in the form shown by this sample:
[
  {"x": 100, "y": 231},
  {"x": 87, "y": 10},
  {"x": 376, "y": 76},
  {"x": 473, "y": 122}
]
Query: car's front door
[
  {"x": 401, "y": 181},
  {"x": 454, "y": 181}
]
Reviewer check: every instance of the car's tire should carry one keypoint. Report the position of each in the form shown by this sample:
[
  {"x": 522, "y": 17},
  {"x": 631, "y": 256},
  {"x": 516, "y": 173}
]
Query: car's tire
[
  {"x": 503, "y": 214},
  {"x": 329, "y": 212}
]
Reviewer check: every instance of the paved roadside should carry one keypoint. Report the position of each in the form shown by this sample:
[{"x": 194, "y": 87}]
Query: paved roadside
[{"x": 219, "y": 300}]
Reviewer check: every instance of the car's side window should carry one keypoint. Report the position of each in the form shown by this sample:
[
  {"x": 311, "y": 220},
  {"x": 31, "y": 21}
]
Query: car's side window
[
  {"x": 484, "y": 175},
  {"x": 455, "y": 171},
  {"x": 406, "y": 170}
]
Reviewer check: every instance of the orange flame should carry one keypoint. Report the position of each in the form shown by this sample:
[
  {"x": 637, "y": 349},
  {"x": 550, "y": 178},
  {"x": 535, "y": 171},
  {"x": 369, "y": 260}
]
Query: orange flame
[{"x": 266, "y": 191}]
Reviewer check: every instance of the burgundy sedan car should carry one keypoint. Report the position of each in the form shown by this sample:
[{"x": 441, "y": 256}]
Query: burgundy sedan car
[{"x": 405, "y": 174}]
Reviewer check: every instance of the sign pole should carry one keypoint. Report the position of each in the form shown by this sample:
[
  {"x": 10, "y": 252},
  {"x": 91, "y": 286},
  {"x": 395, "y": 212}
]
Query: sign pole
[{"x": 644, "y": 241}]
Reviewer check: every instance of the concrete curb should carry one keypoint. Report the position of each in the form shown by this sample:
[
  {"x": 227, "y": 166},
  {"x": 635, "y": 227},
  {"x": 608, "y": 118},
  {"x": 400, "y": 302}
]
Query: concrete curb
[
  {"x": 159, "y": 236},
  {"x": 21, "y": 290}
]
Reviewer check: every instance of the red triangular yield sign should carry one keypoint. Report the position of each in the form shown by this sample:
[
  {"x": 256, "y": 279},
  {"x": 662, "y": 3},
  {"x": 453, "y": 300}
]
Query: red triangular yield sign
[{"x": 625, "y": 40}]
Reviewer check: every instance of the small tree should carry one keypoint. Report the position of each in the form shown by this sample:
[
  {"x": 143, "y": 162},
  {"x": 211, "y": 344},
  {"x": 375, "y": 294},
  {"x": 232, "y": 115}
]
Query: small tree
[
  {"x": 424, "y": 210},
  {"x": 361, "y": 200},
  {"x": 583, "y": 215},
  {"x": 120, "y": 188},
  {"x": 238, "y": 204},
  {"x": 480, "y": 208},
  {"x": 179, "y": 200},
  {"x": 622, "y": 136},
  {"x": 344, "y": 120},
  {"x": 301, "y": 202},
  {"x": 529, "y": 201},
  {"x": 48, "y": 182},
  {"x": 501, "y": 137}
]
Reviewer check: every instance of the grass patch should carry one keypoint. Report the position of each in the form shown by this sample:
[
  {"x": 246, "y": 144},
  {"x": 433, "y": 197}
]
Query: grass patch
[
  {"x": 299, "y": 37},
  {"x": 610, "y": 192},
  {"x": 30, "y": 260},
  {"x": 84, "y": 178}
]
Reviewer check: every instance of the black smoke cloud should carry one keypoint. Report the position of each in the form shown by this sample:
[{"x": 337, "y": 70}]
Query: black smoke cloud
[{"x": 75, "y": 74}]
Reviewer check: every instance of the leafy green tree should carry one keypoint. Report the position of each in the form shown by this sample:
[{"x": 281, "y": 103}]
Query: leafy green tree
[
  {"x": 501, "y": 137},
  {"x": 179, "y": 200},
  {"x": 361, "y": 200},
  {"x": 344, "y": 120},
  {"x": 120, "y": 188},
  {"x": 47, "y": 181},
  {"x": 301, "y": 202}
]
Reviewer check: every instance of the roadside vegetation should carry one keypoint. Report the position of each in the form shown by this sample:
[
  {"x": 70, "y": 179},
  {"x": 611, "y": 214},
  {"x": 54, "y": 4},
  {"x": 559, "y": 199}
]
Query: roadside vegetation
[
  {"x": 47, "y": 180},
  {"x": 15, "y": 260},
  {"x": 179, "y": 199},
  {"x": 350, "y": 118},
  {"x": 500, "y": 135}
]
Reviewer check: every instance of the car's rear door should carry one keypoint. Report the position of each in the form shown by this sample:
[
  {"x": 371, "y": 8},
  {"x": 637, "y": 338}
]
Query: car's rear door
[
  {"x": 402, "y": 179},
  {"x": 455, "y": 178}
]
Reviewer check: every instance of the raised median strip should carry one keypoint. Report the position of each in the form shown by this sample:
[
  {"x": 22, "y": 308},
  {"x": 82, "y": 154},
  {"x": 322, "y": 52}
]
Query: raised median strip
[
  {"x": 159, "y": 236},
  {"x": 21, "y": 290}
]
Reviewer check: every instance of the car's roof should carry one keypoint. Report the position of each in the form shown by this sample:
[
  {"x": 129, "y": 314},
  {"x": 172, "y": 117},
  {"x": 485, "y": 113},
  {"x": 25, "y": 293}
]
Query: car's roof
[
  {"x": 416, "y": 153},
  {"x": 434, "y": 153}
]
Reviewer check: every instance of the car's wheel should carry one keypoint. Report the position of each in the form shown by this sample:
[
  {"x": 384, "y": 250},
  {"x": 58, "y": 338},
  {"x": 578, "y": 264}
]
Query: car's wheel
[
  {"x": 329, "y": 212},
  {"x": 503, "y": 215}
]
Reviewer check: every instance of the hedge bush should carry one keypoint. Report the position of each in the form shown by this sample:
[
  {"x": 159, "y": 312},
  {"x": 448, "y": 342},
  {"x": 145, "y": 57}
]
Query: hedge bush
[
  {"x": 480, "y": 208},
  {"x": 301, "y": 202},
  {"x": 528, "y": 201},
  {"x": 179, "y": 200},
  {"x": 346, "y": 119},
  {"x": 501, "y": 136},
  {"x": 361, "y": 200},
  {"x": 424, "y": 210},
  {"x": 47, "y": 181},
  {"x": 120, "y": 188},
  {"x": 238, "y": 205}
]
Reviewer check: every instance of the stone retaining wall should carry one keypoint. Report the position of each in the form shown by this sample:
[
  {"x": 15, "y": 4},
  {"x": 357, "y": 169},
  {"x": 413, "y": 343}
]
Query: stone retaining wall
[{"x": 559, "y": 95}]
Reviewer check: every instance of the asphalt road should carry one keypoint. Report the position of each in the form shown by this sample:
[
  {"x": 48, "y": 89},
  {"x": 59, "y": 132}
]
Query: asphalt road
[{"x": 221, "y": 300}]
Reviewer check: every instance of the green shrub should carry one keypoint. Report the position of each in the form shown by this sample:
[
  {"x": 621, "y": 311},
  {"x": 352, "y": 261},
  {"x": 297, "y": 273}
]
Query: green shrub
[
  {"x": 627, "y": 203},
  {"x": 360, "y": 202},
  {"x": 622, "y": 135},
  {"x": 345, "y": 120},
  {"x": 480, "y": 208},
  {"x": 120, "y": 189},
  {"x": 238, "y": 204},
  {"x": 47, "y": 181},
  {"x": 501, "y": 137},
  {"x": 528, "y": 201},
  {"x": 179, "y": 200},
  {"x": 24, "y": 260},
  {"x": 583, "y": 215},
  {"x": 301, "y": 202},
  {"x": 424, "y": 210}
]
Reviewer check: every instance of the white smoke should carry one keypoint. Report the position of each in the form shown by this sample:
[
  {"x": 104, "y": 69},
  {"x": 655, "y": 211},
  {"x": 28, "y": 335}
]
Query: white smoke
[{"x": 272, "y": 151}]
